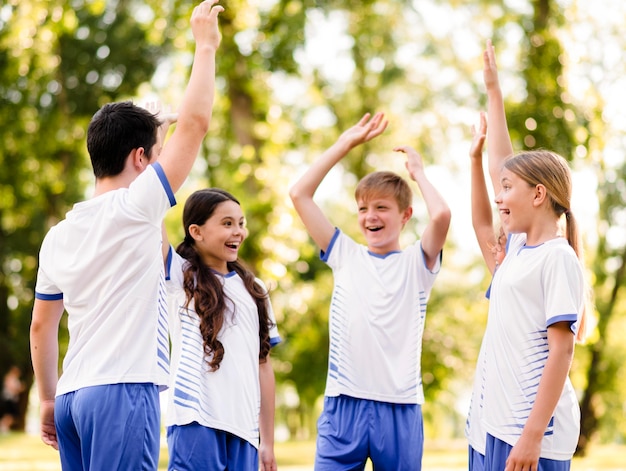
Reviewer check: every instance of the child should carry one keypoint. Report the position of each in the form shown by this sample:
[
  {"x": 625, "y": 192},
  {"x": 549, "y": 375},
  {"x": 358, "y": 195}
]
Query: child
[
  {"x": 372, "y": 404},
  {"x": 103, "y": 265},
  {"x": 222, "y": 329},
  {"x": 537, "y": 305},
  {"x": 492, "y": 247}
]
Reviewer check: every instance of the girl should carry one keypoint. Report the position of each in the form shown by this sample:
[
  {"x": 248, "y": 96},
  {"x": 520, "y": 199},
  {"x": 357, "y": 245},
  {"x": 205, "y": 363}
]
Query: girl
[
  {"x": 537, "y": 303},
  {"x": 221, "y": 401}
]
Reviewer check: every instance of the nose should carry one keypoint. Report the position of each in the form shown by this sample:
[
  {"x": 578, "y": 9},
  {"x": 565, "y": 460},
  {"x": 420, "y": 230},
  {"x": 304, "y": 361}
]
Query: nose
[{"x": 498, "y": 198}]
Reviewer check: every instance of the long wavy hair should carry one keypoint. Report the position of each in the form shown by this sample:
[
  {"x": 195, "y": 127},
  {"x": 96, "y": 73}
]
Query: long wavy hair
[{"x": 206, "y": 288}]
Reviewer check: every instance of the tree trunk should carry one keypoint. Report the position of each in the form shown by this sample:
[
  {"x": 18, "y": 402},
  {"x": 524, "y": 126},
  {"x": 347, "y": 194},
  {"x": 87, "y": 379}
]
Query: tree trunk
[{"x": 589, "y": 416}]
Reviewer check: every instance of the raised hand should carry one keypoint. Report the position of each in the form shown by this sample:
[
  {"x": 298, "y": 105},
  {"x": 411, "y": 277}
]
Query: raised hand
[
  {"x": 204, "y": 23},
  {"x": 478, "y": 138},
  {"x": 414, "y": 162},
  {"x": 365, "y": 130},
  {"x": 490, "y": 68}
]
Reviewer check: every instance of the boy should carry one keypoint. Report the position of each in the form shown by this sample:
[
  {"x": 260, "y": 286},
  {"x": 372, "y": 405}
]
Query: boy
[
  {"x": 103, "y": 265},
  {"x": 373, "y": 397}
]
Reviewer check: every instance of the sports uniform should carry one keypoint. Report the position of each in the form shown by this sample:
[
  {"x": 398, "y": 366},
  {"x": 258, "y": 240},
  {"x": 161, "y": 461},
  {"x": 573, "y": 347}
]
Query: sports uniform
[
  {"x": 229, "y": 398},
  {"x": 535, "y": 287},
  {"x": 377, "y": 316},
  {"x": 104, "y": 260}
]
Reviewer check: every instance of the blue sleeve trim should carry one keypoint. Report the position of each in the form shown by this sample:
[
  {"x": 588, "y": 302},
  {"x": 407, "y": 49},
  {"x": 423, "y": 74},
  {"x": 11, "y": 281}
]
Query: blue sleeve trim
[
  {"x": 275, "y": 341},
  {"x": 571, "y": 318},
  {"x": 49, "y": 297},
  {"x": 324, "y": 254},
  {"x": 168, "y": 264},
  {"x": 166, "y": 185}
]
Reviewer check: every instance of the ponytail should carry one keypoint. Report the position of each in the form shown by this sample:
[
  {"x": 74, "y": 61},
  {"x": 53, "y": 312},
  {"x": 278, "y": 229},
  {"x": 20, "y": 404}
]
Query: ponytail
[{"x": 573, "y": 237}]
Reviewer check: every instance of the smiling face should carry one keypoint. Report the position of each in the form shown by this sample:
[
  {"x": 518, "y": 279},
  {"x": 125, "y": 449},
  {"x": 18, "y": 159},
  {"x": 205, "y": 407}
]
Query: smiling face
[
  {"x": 381, "y": 221},
  {"x": 515, "y": 202},
  {"x": 218, "y": 239}
]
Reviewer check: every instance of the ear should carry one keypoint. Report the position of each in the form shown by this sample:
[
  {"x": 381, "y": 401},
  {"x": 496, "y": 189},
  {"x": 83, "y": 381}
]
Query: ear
[
  {"x": 139, "y": 159},
  {"x": 406, "y": 215},
  {"x": 541, "y": 195},
  {"x": 194, "y": 231}
]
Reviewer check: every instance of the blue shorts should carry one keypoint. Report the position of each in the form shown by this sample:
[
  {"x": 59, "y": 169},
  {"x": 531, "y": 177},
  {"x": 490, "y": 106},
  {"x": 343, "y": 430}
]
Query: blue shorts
[
  {"x": 109, "y": 427},
  {"x": 476, "y": 460},
  {"x": 352, "y": 430},
  {"x": 497, "y": 451},
  {"x": 194, "y": 447}
]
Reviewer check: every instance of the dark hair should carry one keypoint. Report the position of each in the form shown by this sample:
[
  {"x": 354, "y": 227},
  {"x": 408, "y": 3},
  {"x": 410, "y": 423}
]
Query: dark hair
[
  {"x": 205, "y": 287},
  {"x": 114, "y": 131}
]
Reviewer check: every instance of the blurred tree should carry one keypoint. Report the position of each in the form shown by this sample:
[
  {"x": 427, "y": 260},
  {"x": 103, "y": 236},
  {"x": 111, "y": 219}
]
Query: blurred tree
[{"x": 292, "y": 74}]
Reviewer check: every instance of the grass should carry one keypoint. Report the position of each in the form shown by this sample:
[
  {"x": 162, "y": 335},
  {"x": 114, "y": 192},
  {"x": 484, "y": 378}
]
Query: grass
[{"x": 23, "y": 452}]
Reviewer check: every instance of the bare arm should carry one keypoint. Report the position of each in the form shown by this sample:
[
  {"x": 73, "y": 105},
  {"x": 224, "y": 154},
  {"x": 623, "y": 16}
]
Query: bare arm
[
  {"x": 301, "y": 193},
  {"x": 436, "y": 230},
  {"x": 194, "y": 115},
  {"x": 499, "y": 145},
  {"x": 266, "y": 418},
  {"x": 482, "y": 217},
  {"x": 44, "y": 349},
  {"x": 525, "y": 454}
]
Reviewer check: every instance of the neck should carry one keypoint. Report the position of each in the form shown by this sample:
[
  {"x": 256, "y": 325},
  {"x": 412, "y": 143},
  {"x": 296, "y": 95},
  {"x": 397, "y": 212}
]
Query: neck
[{"x": 543, "y": 232}]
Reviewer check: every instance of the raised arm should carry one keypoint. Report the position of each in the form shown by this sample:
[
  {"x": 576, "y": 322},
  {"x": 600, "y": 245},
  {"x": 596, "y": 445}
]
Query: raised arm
[
  {"x": 301, "y": 193},
  {"x": 499, "y": 145},
  {"x": 482, "y": 217},
  {"x": 194, "y": 115},
  {"x": 436, "y": 230}
]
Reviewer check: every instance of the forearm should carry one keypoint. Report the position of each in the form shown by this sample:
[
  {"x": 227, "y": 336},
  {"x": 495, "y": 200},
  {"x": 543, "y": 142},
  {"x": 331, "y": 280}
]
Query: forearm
[
  {"x": 308, "y": 183},
  {"x": 45, "y": 359},
  {"x": 499, "y": 145},
  {"x": 197, "y": 103},
  {"x": 481, "y": 206},
  {"x": 268, "y": 403},
  {"x": 482, "y": 218},
  {"x": 552, "y": 381},
  {"x": 436, "y": 205}
]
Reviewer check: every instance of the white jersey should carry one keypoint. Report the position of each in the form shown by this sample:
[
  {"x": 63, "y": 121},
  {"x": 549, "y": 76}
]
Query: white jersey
[
  {"x": 105, "y": 261},
  {"x": 229, "y": 398},
  {"x": 534, "y": 288},
  {"x": 474, "y": 428},
  {"x": 376, "y": 321}
]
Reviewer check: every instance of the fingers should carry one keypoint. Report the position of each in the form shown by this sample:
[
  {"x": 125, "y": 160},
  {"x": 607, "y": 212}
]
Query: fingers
[
  {"x": 208, "y": 8},
  {"x": 363, "y": 121},
  {"x": 489, "y": 56}
]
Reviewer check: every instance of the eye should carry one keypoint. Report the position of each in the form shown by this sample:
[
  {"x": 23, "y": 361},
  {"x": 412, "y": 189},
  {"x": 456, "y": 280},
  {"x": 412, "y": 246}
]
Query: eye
[{"x": 228, "y": 223}]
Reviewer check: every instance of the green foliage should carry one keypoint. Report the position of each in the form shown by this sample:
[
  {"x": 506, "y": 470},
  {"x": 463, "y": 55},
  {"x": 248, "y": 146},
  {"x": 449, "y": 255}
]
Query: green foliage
[{"x": 284, "y": 93}]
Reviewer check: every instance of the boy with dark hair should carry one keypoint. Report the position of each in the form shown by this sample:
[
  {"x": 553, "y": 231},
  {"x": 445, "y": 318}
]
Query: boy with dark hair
[{"x": 103, "y": 265}]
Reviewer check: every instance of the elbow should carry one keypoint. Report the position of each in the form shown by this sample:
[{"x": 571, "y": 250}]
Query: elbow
[
  {"x": 294, "y": 194},
  {"x": 197, "y": 123},
  {"x": 443, "y": 217}
]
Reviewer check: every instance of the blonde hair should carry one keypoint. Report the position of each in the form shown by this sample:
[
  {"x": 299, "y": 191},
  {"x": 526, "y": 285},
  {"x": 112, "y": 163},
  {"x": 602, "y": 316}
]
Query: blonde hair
[
  {"x": 387, "y": 184},
  {"x": 552, "y": 171}
]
